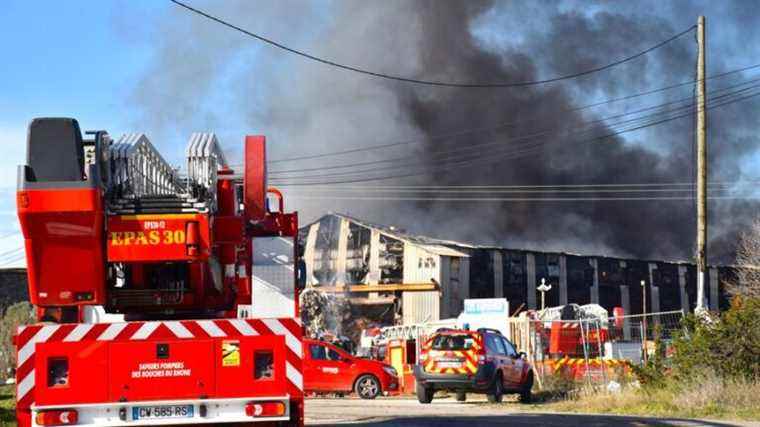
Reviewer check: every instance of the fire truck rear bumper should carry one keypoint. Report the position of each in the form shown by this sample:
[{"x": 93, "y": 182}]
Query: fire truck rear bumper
[
  {"x": 204, "y": 411},
  {"x": 478, "y": 382}
]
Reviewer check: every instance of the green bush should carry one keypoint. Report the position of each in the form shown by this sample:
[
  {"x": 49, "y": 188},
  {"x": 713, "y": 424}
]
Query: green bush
[
  {"x": 727, "y": 345},
  {"x": 653, "y": 373},
  {"x": 20, "y": 313}
]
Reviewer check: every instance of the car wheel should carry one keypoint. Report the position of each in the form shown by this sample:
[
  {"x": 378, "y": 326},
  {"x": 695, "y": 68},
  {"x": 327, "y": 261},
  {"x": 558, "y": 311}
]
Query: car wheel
[
  {"x": 496, "y": 394},
  {"x": 525, "y": 394},
  {"x": 424, "y": 394},
  {"x": 367, "y": 387},
  {"x": 461, "y": 396}
]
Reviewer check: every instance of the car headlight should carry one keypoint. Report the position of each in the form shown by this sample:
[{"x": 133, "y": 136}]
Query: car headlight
[{"x": 390, "y": 370}]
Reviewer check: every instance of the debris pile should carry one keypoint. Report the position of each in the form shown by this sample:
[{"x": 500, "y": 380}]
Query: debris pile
[{"x": 322, "y": 313}]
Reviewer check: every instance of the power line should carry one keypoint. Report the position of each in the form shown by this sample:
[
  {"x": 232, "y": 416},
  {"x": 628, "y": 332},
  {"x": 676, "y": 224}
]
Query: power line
[
  {"x": 11, "y": 252},
  {"x": 499, "y": 154},
  {"x": 427, "y": 82},
  {"x": 521, "y": 199},
  {"x": 501, "y": 157},
  {"x": 531, "y": 191},
  {"x": 274, "y": 173},
  {"x": 548, "y": 131},
  {"x": 11, "y": 261},
  {"x": 9, "y": 234},
  {"x": 466, "y": 187},
  {"x": 610, "y": 189},
  {"x": 513, "y": 123},
  {"x": 534, "y": 145}
]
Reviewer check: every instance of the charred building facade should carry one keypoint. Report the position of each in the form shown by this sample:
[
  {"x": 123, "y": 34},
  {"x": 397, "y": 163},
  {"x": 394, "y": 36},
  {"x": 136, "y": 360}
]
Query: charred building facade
[{"x": 397, "y": 277}]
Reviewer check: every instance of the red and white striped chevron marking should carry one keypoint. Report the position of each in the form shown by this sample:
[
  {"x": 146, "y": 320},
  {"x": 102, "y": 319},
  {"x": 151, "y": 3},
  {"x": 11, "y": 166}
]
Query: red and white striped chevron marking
[{"x": 28, "y": 336}]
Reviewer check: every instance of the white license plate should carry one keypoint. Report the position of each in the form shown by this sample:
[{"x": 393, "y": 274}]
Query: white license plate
[
  {"x": 163, "y": 411},
  {"x": 450, "y": 364}
]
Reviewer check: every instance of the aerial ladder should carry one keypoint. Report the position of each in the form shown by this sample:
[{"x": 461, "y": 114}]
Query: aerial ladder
[{"x": 162, "y": 296}]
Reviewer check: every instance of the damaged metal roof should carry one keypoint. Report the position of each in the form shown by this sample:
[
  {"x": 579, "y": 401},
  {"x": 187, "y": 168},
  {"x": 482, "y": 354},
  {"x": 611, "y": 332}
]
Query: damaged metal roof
[
  {"x": 432, "y": 245},
  {"x": 456, "y": 248}
]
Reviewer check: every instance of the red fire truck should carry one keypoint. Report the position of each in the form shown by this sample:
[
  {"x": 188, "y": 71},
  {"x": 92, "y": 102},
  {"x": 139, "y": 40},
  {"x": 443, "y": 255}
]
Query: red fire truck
[{"x": 199, "y": 269}]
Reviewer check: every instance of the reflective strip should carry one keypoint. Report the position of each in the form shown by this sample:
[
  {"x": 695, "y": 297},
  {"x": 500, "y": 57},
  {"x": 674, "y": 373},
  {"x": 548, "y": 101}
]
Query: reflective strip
[
  {"x": 26, "y": 385},
  {"x": 41, "y": 336},
  {"x": 293, "y": 343},
  {"x": 294, "y": 375},
  {"x": 179, "y": 330},
  {"x": 243, "y": 327},
  {"x": 112, "y": 331},
  {"x": 145, "y": 330},
  {"x": 78, "y": 333},
  {"x": 211, "y": 328}
]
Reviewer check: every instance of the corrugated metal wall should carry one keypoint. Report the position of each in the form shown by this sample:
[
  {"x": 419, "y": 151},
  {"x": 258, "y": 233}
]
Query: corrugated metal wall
[
  {"x": 420, "y": 307},
  {"x": 420, "y": 265}
]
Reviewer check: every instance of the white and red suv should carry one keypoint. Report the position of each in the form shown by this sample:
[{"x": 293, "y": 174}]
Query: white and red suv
[{"x": 464, "y": 361}]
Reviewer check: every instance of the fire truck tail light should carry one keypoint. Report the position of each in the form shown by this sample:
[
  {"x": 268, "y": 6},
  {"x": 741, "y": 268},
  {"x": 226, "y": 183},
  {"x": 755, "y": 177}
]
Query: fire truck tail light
[
  {"x": 265, "y": 409},
  {"x": 57, "y": 418}
]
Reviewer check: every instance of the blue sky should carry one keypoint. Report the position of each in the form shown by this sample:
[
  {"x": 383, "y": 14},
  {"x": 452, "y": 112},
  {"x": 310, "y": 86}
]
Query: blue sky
[
  {"x": 63, "y": 59},
  {"x": 67, "y": 57}
]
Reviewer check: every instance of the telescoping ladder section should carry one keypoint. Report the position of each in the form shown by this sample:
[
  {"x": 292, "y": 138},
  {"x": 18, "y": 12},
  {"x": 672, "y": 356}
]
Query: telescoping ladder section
[{"x": 142, "y": 181}]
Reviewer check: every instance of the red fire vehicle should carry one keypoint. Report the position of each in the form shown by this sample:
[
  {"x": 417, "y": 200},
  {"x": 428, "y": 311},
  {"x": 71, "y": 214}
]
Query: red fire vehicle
[
  {"x": 329, "y": 369},
  {"x": 202, "y": 270}
]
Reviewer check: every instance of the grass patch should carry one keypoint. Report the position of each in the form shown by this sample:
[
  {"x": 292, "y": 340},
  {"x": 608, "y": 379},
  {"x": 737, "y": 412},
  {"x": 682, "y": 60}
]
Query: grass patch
[
  {"x": 708, "y": 397},
  {"x": 7, "y": 405}
]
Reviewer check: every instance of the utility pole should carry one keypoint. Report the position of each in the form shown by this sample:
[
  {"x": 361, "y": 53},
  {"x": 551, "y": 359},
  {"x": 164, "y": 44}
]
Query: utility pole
[
  {"x": 644, "y": 319},
  {"x": 701, "y": 168}
]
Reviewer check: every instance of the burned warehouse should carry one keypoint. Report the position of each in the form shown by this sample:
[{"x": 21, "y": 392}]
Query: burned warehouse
[{"x": 394, "y": 277}]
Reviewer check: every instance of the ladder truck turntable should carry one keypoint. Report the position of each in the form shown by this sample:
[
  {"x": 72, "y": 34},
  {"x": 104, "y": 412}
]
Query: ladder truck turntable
[{"x": 201, "y": 274}]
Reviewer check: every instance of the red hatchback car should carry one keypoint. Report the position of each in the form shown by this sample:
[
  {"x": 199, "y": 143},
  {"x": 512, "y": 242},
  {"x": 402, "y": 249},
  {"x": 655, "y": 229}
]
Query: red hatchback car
[
  {"x": 329, "y": 369},
  {"x": 464, "y": 361}
]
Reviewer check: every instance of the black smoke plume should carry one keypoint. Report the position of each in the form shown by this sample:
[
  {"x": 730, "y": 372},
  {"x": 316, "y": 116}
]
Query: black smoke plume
[{"x": 310, "y": 108}]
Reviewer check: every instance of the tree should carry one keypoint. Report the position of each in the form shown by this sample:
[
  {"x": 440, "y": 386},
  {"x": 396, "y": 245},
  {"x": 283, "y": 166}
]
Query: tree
[
  {"x": 747, "y": 283},
  {"x": 18, "y": 314}
]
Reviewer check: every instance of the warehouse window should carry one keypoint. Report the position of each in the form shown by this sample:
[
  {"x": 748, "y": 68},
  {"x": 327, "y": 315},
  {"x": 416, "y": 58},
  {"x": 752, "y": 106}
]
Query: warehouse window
[{"x": 515, "y": 280}]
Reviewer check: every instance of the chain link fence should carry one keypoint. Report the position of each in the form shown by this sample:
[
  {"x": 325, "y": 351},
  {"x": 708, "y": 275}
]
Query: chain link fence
[{"x": 594, "y": 349}]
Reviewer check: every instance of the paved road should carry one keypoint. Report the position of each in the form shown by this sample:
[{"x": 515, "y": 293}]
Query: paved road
[{"x": 449, "y": 413}]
